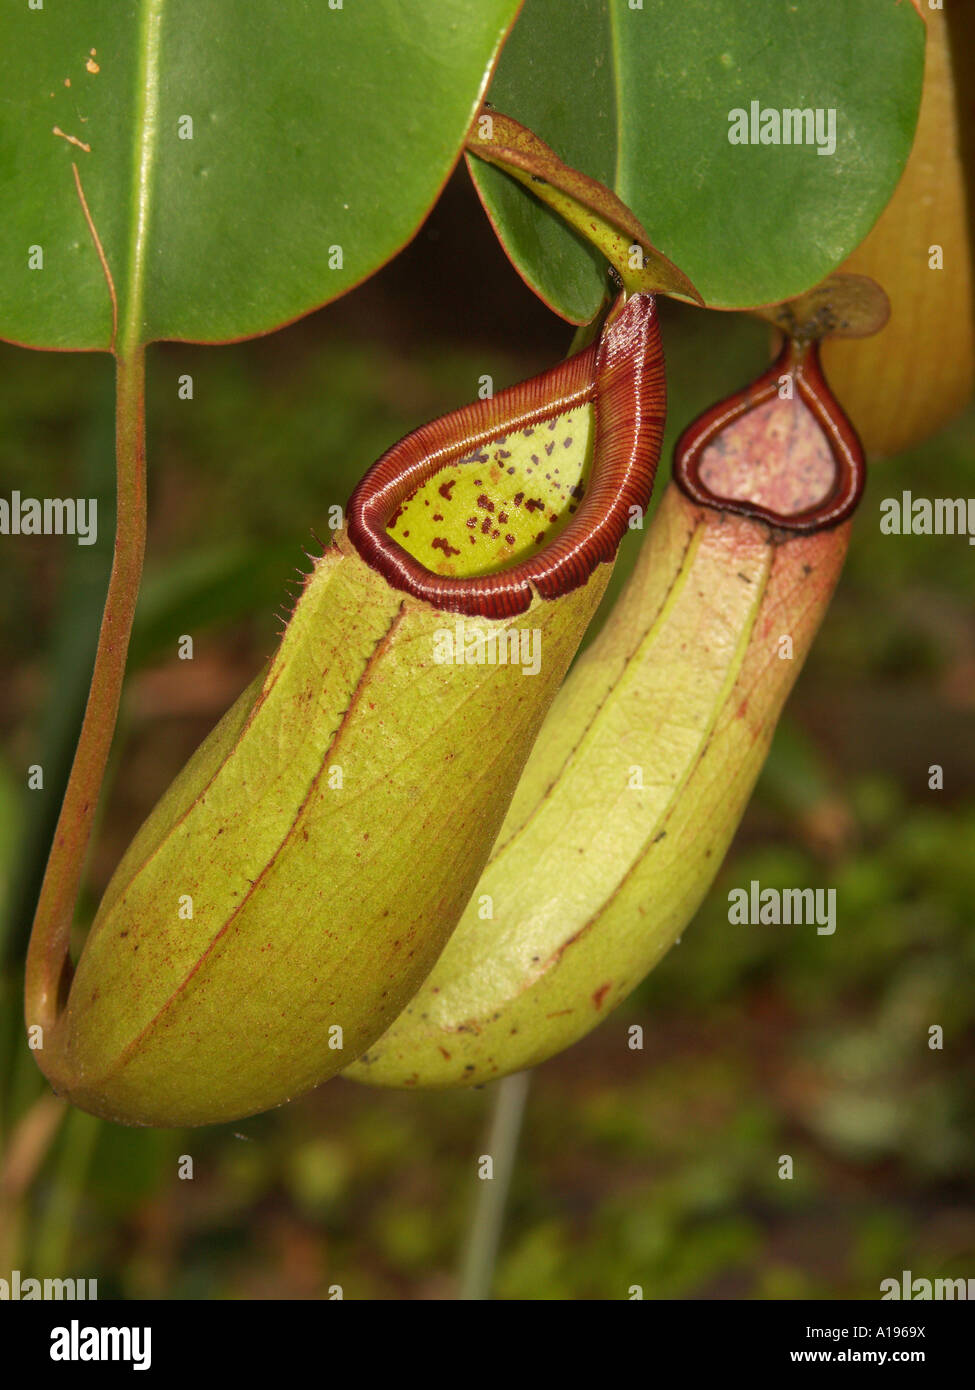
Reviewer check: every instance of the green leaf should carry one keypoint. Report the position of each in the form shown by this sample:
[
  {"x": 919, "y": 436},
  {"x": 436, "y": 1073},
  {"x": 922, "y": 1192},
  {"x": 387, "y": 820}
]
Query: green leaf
[
  {"x": 314, "y": 127},
  {"x": 646, "y": 111}
]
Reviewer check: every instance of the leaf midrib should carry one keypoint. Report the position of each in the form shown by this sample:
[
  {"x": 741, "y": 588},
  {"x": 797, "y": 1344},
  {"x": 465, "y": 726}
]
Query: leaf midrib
[{"x": 145, "y": 147}]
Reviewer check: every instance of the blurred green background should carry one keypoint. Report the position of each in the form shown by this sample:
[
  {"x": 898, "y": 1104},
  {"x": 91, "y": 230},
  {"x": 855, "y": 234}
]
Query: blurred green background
[{"x": 656, "y": 1167}]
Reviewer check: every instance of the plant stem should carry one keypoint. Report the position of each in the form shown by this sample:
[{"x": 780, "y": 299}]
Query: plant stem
[
  {"x": 47, "y": 956},
  {"x": 74, "y": 637},
  {"x": 484, "y": 1237}
]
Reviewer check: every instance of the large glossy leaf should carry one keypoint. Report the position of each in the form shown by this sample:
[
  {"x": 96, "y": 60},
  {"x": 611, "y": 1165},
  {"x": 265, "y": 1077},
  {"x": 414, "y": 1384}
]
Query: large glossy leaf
[
  {"x": 316, "y": 125},
  {"x": 640, "y": 99}
]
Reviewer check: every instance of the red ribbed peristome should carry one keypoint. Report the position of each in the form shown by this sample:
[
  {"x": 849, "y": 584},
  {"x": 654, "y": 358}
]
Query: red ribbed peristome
[
  {"x": 622, "y": 376},
  {"x": 800, "y": 361}
]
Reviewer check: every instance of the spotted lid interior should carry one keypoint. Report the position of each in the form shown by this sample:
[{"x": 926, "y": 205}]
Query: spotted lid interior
[{"x": 491, "y": 509}]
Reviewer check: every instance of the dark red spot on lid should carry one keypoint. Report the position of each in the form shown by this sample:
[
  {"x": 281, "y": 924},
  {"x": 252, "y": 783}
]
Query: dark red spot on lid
[{"x": 442, "y": 543}]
